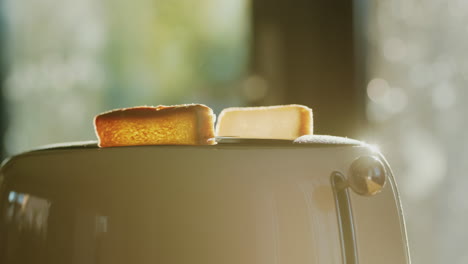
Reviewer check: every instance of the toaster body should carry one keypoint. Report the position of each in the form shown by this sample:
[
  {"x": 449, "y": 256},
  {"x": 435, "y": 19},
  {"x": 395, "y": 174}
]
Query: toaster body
[{"x": 231, "y": 203}]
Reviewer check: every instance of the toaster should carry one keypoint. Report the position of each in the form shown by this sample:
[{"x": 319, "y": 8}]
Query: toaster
[{"x": 317, "y": 199}]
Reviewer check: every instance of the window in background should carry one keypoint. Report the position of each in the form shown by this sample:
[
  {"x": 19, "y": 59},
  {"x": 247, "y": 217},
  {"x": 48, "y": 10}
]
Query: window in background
[
  {"x": 416, "y": 93},
  {"x": 69, "y": 60}
]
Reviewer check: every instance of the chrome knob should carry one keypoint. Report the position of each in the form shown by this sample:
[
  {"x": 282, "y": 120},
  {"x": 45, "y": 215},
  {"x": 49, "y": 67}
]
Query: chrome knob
[{"x": 367, "y": 175}]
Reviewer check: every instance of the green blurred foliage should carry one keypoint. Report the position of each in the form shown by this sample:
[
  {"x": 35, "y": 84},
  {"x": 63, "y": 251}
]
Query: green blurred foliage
[
  {"x": 70, "y": 60},
  {"x": 169, "y": 52}
]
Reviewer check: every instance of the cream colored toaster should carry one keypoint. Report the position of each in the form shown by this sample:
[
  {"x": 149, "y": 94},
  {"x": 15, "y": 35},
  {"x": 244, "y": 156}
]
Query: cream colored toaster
[{"x": 315, "y": 200}]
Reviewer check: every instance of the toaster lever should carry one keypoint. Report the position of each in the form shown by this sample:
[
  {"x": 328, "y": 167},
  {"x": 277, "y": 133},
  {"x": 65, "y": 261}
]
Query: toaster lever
[
  {"x": 345, "y": 218},
  {"x": 367, "y": 177}
]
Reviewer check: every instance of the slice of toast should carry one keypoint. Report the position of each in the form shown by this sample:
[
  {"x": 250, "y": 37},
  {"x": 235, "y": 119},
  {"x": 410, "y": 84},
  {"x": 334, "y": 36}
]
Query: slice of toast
[
  {"x": 270, "y": 122},
  {"x": 190, "y": 124}
]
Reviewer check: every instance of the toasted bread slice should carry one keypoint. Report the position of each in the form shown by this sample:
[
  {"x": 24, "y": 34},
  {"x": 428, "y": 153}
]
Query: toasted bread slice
[{"x": 190, "y": 124}]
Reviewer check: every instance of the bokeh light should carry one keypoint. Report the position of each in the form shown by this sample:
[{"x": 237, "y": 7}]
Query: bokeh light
[{"x": 416, "y": 114}]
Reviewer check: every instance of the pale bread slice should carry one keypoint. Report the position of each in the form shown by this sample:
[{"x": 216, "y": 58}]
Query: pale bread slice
[{"x": 268, "y": 122}]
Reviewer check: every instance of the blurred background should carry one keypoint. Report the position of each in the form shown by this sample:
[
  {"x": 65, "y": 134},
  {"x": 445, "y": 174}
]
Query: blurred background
[{"x": 391, "y": 73}]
